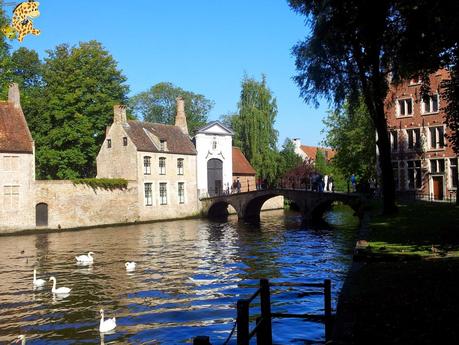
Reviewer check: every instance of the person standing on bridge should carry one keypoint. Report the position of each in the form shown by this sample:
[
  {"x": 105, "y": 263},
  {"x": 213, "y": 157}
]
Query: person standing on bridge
[{"x": 238, "y": 185}]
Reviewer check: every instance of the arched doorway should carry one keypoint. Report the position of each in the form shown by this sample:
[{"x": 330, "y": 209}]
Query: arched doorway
[
  {"x": 214, "y": 176},
  {"x": 41, "y": 214}
]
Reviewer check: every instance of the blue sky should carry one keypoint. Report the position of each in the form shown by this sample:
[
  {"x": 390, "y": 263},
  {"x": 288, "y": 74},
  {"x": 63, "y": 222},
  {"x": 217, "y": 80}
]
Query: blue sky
[{"x": 205, "y": 46}]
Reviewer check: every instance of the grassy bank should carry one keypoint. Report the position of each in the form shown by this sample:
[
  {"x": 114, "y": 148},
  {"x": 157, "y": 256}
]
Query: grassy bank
[{"x": 403, "y": 291}]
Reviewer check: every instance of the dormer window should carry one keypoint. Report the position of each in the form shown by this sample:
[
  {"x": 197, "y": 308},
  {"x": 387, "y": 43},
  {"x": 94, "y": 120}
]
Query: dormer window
[
  {"x": 125, "y": 141},
  {"x": 163, "y": 145},
  {"x": 109, "y": 143}
]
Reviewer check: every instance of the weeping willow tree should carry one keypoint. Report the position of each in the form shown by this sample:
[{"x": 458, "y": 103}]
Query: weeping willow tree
[
  {"x": 254, "y": 127},
  {"x": 5, "y": 59}
]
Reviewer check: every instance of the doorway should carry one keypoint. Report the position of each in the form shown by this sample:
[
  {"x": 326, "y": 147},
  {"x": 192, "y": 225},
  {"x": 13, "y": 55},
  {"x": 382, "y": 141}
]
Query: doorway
[
  {"x": 214, "y": 176},
  {"x": 41, "y": 214},
  {"x": 437, "y": 182}
]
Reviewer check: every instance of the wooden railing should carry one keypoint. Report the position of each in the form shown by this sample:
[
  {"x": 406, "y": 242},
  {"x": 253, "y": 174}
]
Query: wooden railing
[{"x": 263, "y": 324}]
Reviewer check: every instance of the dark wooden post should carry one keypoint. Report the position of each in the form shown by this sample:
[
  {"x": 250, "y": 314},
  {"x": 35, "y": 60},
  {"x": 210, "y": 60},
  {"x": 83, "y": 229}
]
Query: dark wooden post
[
  {"x": 201, "y": 340},
  {"x": 242, "y": 322},
  {"x": 264, "y": 336},
  {"x": 328, "y": 308}
]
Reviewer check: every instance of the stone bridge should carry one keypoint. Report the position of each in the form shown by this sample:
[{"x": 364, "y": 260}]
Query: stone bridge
[{"x": 248, "y": 204}]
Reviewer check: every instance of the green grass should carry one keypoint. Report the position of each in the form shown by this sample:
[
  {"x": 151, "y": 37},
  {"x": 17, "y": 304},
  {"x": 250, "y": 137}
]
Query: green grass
[
  {"x": 415, "y": 229},
  {"x": 103, "y": 183}
]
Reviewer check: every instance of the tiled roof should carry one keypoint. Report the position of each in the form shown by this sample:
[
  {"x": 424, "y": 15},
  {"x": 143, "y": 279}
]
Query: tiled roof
[
  {"x": 311, "y": 152},
  {"x": 240, "y": 164},
  {"x": 176, "y": 140},
  {"x": 14, "y": 133}
]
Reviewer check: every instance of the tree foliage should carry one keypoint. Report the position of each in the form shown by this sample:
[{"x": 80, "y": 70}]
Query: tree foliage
[
  {"x": 80, "y": 86},
  {"x": 288, "y": 157},
  {"x": 5, "y": 58},
  {"x": 351, "y": 135},
  {"x": 158, "y": 105},
  {"x": 254, "y": 127}
]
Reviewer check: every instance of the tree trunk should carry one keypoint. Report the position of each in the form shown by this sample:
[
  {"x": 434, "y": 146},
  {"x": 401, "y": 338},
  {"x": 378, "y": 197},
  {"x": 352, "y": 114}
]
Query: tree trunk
[{"x": 385, "y": 162}]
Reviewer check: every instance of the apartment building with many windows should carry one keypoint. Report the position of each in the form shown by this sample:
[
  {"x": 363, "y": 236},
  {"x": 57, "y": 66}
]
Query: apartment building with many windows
[{"x": 423, "y": 160}]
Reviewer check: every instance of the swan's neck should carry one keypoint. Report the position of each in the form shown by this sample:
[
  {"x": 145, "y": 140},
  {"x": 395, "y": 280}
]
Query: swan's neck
[
  {"x": 54, "y": 284},
  {"x": 23, "y": 342},
  {"x": 90, "y": 255},
  {"x": 102, "y": 318},
  {"x": 34, "y": 275}
]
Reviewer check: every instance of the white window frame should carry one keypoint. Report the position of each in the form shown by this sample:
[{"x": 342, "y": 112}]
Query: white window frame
[
  {"x": 10, "y": 163},
  {"x": 416, "y": 145},
  {"x": 405, "y": 107},
  {"x": 181, "y": 197},
  {"x": 161, "y": 167},
  {"x": 415, "y": 174},
  {"x": 450, "y": 172},
  {"x": 180, "y": 169},
  {"x": 163, "y": 193},
  {"x": 11, "y": 195},
  {"x": 423, "y": 104},
  {"x": 437, "y": 164},
  {"x": 147, "y": 165},
  {"x": 437, "y": 142},
  {"x": 148, "y": 193}
]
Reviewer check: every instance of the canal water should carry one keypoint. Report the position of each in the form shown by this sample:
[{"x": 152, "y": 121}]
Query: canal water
[{"x": 188, "y": 278}]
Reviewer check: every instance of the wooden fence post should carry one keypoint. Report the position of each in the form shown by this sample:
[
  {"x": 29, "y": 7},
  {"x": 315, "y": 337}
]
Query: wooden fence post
[
  {"x": 264, "y": 336},
  {"x": 242, "y": 322},
  {"x": 328, "y": 309}
]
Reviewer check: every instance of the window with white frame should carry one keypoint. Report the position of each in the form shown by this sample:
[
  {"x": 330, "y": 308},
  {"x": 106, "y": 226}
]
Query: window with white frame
[
  {"x": 109, "y": 143},
  {"x": 395, "y": 173},
  {"x": 453, "y": 172},
  {"x": 405, "y": 107},
  {"x": 148, "y": 194},
  {"x": 162, "y": 166},
  {"x": 181, "y": 192},
  {"x": 437, "y": 166},
  {"x": 214, "y": 143},
  {"x": 180, "y": 166},
  {"x": 10, "y": 163},
  {"x": 429, "y": 104},
  {"x": 147, "y": 165},
  {"x": 163, "y": 193},
  {"x": 437, "y": 137},
  {"x": 414, "y": 174},
  {"x": 394, "y": 140},
  {"x": 11, "y": 196},
  {"x": 414, "y": 138},
  {"x": 163, "y": 145}
]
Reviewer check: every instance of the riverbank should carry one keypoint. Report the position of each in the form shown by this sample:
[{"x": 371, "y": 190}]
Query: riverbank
[{"x": 400, "y": 287}]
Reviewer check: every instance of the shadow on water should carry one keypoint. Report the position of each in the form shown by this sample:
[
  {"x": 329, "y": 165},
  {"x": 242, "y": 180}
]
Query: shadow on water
[{"x": 188, "y": 278}]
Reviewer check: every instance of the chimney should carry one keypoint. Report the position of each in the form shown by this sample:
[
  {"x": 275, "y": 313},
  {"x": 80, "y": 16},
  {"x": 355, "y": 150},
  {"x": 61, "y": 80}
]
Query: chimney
[
  {"x": 180, "y": 118},
  {"x": 119, "y": 114},
  {"x": 14, "y": 96}
]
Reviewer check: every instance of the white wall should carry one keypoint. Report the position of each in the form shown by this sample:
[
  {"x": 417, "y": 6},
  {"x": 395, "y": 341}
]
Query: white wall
[{"x": 223, "y": 151}]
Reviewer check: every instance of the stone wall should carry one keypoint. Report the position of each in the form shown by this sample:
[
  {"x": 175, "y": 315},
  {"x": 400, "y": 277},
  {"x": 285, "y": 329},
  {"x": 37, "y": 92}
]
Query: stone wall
[{"x": 71, "y": 206}]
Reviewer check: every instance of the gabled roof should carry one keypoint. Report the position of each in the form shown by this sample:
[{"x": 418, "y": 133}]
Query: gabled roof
[
  {"x": 14, "y": 133},
  {"x": 177, "y": 141},
  {"x": 241, "y": 165},
  {"x": 311, "y": 152},
  {"x": 215, "y": 127}
]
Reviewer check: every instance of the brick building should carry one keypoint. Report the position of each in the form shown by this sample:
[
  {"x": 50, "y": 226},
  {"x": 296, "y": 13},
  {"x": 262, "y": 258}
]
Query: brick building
[{"x": 423, "y": 160}]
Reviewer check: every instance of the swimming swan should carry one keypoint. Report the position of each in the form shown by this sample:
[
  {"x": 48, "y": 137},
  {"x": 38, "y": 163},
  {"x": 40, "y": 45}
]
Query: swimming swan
[
  {"x": 37, "y": 282},
  {"x": 106, "y": 325},
  {"x": 61, "y": 290},
  {"x": 85, "y": 258},
  {"x": 22, "y": 339},
  {"x": 130, "y": 266}
]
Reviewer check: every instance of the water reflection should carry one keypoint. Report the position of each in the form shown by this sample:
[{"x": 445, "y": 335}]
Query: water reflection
[{"x": 188, "y": 277}]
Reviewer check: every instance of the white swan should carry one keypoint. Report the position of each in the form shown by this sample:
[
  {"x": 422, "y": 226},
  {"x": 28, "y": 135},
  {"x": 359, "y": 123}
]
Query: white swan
[
  {"x": 85, "y": 258},
  {"x": 61, "y": 290},
  {"x": 22, "y": 339},
  {"x": 37, "y": 282},
  {"x": 106, "y": 325},
  {"x": 130, "y": 266}
]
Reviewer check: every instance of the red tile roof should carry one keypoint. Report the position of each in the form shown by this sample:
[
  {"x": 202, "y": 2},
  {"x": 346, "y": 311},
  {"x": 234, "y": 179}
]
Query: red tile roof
[
  {"x": 176, "y": 140},
  {"x": 14, "y": 132},
  {"x": 311, "y": 152},
  {"x": 241, "y": 165}
]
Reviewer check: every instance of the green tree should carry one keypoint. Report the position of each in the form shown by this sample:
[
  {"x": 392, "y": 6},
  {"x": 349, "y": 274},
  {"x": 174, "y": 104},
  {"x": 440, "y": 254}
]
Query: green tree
[
  {"x": 82, "y": 84},
  {"x": 350, "y": 53},
  {"x": 351, "y": 135},
  {"x": 5, "y": 59},
  {"x": 158, "y": 105},
  {"x": 254, "y": 127},
  {"x": 288, "y": 158}
]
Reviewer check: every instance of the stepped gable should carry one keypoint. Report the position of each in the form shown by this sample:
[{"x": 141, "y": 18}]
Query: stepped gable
[
  {"x": 15, "y": 136},
  {"x": 177, "y": 141},
  {"x": 241, "y": 165}
]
